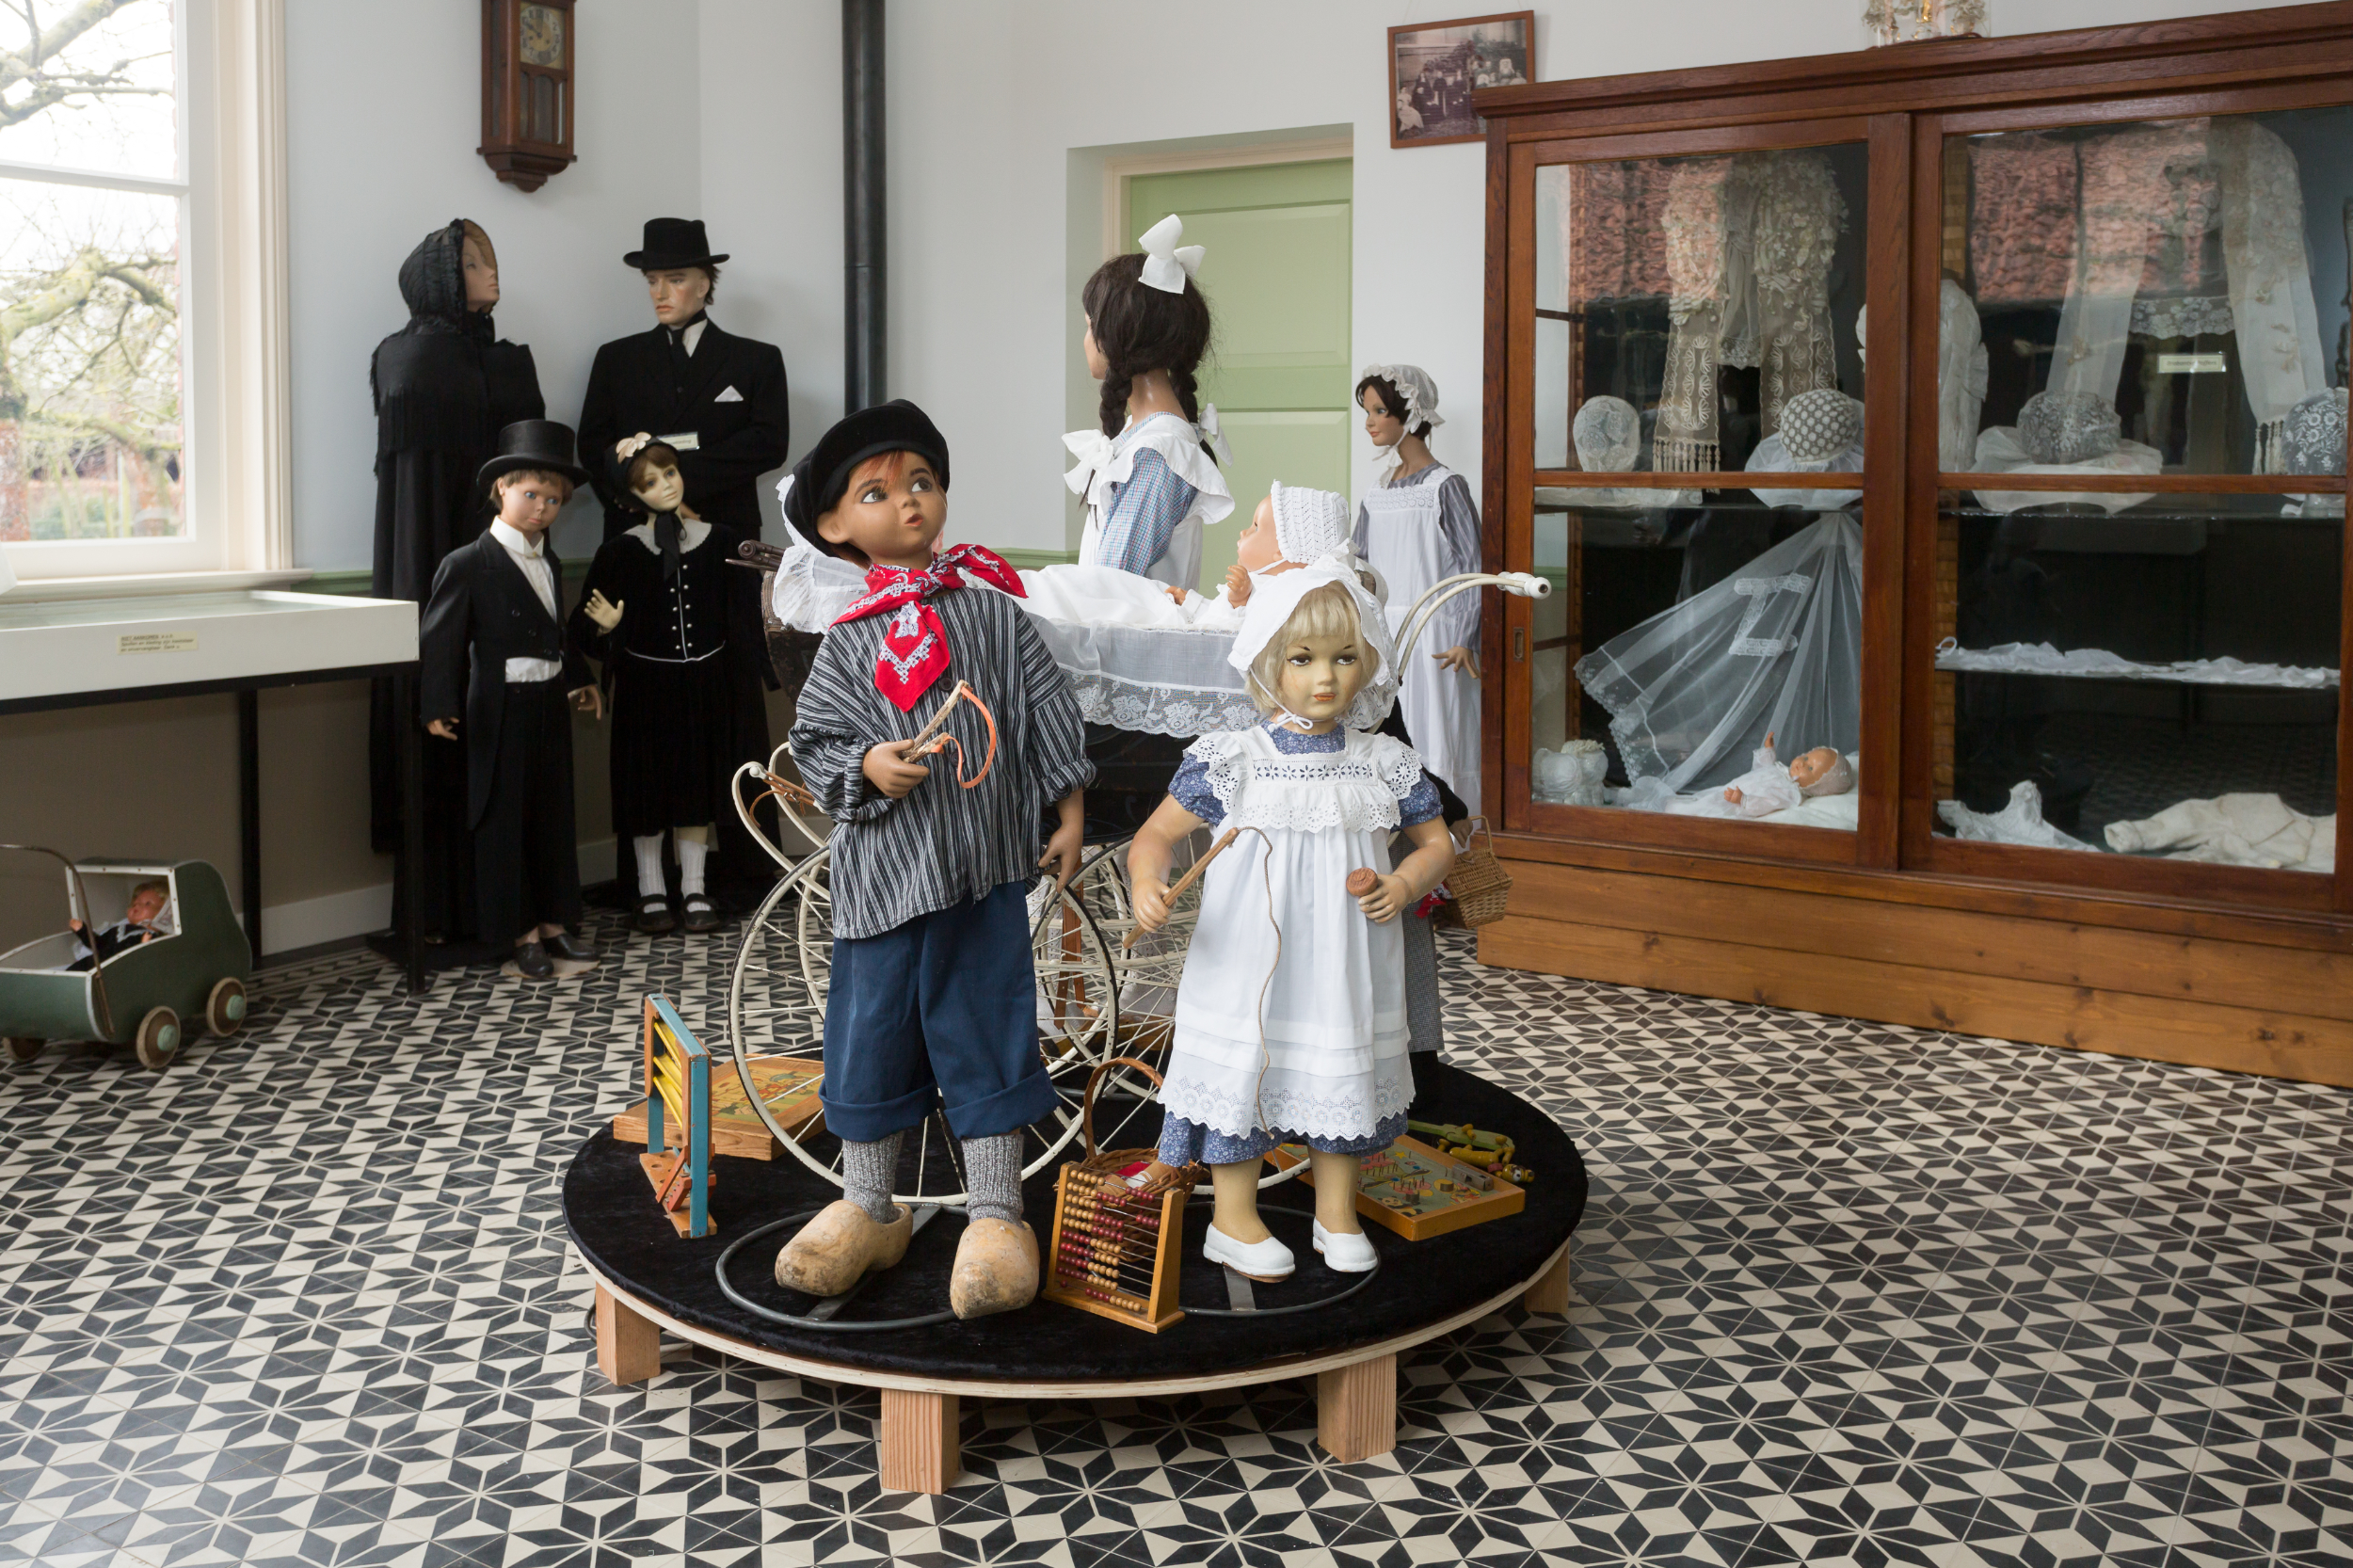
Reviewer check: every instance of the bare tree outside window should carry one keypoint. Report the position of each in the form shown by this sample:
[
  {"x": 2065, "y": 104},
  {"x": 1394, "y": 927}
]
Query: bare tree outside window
[{"x": 90, "y": 349}]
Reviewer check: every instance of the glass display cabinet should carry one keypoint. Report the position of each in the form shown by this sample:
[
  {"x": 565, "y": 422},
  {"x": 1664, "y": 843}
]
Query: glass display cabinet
[{"x": 1938, "y": 454}]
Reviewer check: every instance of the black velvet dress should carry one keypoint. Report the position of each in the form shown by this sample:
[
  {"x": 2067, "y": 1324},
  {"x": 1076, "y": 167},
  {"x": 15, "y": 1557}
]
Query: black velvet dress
[{"x": 443, "y": 387}]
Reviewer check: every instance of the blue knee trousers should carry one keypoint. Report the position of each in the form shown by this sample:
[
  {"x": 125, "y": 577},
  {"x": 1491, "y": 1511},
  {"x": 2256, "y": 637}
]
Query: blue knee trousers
[{"x": 940, "y": 1011}]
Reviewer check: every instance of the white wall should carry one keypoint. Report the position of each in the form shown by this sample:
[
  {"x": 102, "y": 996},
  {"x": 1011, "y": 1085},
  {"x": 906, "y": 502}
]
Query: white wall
[
  {"x": 384, "y": 112},
  {"x": 986, "y": 102}
]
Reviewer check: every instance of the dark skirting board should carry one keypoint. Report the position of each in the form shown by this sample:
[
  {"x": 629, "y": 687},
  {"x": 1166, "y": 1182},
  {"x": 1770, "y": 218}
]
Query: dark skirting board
[{"x": 611, "y": 1213}]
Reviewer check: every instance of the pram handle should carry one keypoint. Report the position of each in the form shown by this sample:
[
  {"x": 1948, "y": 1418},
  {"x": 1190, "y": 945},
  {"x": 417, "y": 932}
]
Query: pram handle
[
  {"x": 1525, "y": 585},
  {"x": 81, "y": 904}
]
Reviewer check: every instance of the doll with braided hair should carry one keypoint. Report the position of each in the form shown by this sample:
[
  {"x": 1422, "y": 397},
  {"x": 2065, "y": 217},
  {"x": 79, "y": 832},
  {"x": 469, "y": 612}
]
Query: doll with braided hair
[{"x": 1149, "y": 475}]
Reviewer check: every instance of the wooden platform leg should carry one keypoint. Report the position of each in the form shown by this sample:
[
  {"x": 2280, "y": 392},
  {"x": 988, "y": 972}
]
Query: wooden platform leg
[
  {"x": 920, "y": 1450},
  {"x": 1549, "y": 1294},
  {"x": 1356, "y": 1408},
  {"x": 629, "y": 1347}
]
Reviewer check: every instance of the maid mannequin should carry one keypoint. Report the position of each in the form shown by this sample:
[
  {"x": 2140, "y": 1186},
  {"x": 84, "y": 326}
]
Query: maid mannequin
[
  {"x": 683, "y": 667},
  {"x": 1422, "y": 526},
  {"x": 1292, "y": 1018},
  {"x": 1150, "y": 476}
]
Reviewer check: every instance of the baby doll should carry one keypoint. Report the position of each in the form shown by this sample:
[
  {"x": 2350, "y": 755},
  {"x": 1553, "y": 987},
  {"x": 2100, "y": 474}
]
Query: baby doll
[
  {"x": 1767, "y": 787},
  {"x": 142, "y": 922},
  {"x": 494, "y": 613},
  {"x": 1150, "y": 476},
  {"x": 684, "y": 671},
  {"x": 934, "y": 996},
  {"x": 1291, "y": 1017},
  {"x": 1417, "y": 529}
]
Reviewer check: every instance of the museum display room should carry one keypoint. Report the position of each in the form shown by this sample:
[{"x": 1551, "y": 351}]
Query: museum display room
[
  {"x": 793, "y": 782},
  {"x": 1989, "y": 437}
]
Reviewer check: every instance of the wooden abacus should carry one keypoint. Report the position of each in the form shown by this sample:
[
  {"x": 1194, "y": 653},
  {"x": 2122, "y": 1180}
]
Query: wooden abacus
[{"x": 1118, "y": 1239}]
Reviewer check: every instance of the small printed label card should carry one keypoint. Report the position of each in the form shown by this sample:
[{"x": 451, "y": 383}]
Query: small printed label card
[{"x": 155, "y": 642}]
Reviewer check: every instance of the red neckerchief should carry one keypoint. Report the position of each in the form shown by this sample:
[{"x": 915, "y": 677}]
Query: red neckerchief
[{"x": 915, "y": 645}]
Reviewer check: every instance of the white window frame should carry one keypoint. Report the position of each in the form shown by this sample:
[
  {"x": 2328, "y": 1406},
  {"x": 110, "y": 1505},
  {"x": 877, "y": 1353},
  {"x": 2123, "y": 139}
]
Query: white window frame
[{"x": 236, "y": 369}]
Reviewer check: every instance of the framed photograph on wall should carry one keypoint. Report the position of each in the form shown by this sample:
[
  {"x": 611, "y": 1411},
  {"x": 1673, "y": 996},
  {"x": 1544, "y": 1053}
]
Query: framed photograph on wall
[{"x": 1435, "y": 66}]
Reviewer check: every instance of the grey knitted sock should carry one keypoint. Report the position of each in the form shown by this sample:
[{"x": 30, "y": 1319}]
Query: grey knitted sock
[
  {"x": 868, "y": 1173},
  {"x": 993, "y": 1168}
]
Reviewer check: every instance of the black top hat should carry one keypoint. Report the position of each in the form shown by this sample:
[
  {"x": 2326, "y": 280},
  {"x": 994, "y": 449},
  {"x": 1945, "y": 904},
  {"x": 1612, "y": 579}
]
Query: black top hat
[
  {"x": 821, "y": 477},
  {"x": 672, "y": 242},
  {"x": 533, "y": 443}
]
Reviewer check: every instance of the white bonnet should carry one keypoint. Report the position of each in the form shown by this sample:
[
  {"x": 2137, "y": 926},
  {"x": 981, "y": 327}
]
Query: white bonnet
[
  {"x": 1309, "y": 524},
  {"x": 1273, "y": 598},
  {"x": 1414, "y": 384}
]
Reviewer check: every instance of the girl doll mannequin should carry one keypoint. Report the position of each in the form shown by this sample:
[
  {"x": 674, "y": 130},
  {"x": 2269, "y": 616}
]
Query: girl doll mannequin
[
  {"x": 1419, "y": 528},
  {"x": 1294, "y": 1028},
  {"x": 1149, "y": 476},
  {"x": 686, "y": 703}
]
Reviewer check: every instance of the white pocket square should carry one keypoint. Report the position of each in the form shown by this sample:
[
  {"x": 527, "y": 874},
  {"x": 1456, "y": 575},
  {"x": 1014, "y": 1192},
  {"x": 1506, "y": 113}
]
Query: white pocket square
[{"x": 731, "y": 396}]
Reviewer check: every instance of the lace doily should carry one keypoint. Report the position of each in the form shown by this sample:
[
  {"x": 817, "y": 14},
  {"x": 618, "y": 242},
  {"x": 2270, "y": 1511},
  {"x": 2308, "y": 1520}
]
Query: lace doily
[
  {"x": 1609, "y": 436},
  {"x": 2314, "y": 442},
  {"x": 2069, "y": 428},
  {"x": 2189, "y": 317}
]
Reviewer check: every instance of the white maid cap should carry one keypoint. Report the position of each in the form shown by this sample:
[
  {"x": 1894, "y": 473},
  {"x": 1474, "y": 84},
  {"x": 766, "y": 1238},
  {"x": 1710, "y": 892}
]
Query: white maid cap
[{"x": 1274, "y": 596}]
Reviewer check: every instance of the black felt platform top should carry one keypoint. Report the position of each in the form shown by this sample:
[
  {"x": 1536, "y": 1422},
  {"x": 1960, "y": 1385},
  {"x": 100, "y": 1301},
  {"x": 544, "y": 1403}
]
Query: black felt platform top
[{"x": 610, "y": 1210}]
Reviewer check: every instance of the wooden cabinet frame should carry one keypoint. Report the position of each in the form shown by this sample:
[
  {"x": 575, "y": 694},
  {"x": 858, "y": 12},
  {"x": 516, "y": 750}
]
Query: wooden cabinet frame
[{"x": 1906, "y": 926}]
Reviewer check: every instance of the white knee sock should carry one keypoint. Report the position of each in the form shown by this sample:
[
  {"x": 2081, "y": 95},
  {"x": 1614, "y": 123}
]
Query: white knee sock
[
  {"x": 690, "y": 852},
  {"x": 651, "y": 883}
]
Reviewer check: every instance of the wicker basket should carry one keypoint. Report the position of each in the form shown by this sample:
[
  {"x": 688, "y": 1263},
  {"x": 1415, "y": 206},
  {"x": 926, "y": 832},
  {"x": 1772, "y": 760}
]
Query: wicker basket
[{"x": 1479, "y": 884}]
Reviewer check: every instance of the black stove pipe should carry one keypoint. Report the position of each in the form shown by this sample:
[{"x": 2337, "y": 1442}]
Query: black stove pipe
[{"x": 864, "y": 229}]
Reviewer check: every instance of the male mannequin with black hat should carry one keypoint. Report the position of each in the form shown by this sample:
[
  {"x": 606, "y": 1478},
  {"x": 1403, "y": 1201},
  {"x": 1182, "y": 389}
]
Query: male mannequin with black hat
[
  {"x": 492, "y": 649},
  {"x": 717, "y": 400}
]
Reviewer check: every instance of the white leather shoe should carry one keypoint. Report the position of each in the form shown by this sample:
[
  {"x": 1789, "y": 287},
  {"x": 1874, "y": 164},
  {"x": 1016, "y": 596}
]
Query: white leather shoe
[
  {"x": 1265, "y": 1261},
  {"x": 1350, "y": 1251}
]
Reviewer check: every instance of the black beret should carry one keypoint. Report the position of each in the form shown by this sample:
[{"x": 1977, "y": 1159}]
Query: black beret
[{"x": 820, "y": 479}]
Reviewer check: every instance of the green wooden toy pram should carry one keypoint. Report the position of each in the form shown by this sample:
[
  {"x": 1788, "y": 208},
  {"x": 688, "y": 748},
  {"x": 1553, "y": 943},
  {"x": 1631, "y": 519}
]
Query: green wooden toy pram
[{"x": 141, "y": 995}]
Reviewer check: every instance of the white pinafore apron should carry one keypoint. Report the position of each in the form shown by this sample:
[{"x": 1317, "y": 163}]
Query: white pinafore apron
[
  {"x": 1334, "y": 1059},
  {"x": 1403, "y": 544},
  {"x": 1103, "y": 462}
]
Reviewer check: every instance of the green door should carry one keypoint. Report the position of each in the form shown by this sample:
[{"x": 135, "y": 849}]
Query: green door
[{"x": 1277, "y": 281}]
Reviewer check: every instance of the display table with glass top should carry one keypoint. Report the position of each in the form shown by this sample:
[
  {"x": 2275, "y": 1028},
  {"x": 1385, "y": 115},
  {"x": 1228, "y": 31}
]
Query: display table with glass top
[
  {"x": 57, "y": 652},
  {"x": 1939, "y": 453}
]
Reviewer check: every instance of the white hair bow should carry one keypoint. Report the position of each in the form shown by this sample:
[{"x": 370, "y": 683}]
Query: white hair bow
[
  {"x": 1211, "y": 436},
  {"x": 1166, "y": 264}
]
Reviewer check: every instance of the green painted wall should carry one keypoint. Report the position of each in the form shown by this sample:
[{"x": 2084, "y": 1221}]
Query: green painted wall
[{"x": 1277, "y": 279}]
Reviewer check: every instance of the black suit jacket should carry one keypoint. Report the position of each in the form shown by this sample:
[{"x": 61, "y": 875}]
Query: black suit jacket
[
  {"x": 632, "y": 388},
  {"x": 483, "y": 612}
]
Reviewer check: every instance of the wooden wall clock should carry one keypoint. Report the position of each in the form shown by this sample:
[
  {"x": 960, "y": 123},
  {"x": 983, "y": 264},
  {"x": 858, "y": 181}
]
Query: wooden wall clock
[{"x": 527, "y": 100}]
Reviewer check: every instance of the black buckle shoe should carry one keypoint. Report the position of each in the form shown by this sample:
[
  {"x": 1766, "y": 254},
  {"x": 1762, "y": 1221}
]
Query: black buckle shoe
[
  {"x": 700, "y": 914},
  {"x": 570, "y": 948},
  {"x": 654, "y": 916},
  {"x": 532, "y": 963}
]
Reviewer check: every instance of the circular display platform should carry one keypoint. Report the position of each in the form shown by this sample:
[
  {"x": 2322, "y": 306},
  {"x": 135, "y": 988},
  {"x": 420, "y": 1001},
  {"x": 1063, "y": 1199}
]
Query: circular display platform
[{"x": 1422, "y": 1287}]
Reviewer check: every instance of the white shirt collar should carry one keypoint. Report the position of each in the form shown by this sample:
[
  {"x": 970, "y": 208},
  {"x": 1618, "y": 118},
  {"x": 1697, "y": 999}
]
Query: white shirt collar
[
  {"x": 693, "y": 335},
  {"x": 518, "y": 542}
]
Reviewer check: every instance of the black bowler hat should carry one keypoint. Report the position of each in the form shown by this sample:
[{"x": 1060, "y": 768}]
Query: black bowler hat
[
  {"x": 533, "y": 443},
  {"x": 672, "y": 242},
  {"x": 820, "y": 479}
]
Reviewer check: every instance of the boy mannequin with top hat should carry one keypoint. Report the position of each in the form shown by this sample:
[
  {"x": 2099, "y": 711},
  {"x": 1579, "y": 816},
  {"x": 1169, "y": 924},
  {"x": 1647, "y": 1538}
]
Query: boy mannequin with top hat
[
  {"x": 495, "y": 676},
  {"x": 715, "y": 399}
]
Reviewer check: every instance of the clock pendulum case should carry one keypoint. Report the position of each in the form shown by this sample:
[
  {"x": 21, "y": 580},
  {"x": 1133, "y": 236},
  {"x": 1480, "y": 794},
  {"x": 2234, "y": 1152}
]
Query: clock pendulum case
[{"x": 528, "y": 104}]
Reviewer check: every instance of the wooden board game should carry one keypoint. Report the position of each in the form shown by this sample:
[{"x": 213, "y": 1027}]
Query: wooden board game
[
  {"x": 788, "y": 1085},
  {"x": 1412, "y": 1190}
]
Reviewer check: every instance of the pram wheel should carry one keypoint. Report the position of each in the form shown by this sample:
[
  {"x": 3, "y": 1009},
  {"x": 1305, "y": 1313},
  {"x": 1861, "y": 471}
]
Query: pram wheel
[
  {"x": 158, "y": 1039},
  {"x": 24, "y": 1048},
  {"x": 225, "y": 1009},
  {"x": 777, "y": 1006}
]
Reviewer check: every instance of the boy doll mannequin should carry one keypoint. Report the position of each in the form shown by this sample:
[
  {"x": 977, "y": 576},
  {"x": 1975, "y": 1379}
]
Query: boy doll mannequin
[
  {"x": 142, "y": 922},
  {"x": 686, "y": 703},
  {"x": 492, "y": 647},
  {"x": 1298, "y": 1031},
  {"x": 933, "y": 1000}
]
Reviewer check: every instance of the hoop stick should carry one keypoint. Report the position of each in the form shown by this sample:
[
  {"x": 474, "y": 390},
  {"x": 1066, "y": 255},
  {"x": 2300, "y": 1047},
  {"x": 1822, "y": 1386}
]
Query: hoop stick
[{"x": 1186, "y": 880}]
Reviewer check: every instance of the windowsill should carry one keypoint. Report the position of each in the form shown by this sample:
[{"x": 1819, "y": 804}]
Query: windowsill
[{"x": 140, "y": 584}]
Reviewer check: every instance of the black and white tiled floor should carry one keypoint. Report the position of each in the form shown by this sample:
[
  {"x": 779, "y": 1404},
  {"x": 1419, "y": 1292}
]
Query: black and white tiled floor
[{"x": 1846, "y": 1294}]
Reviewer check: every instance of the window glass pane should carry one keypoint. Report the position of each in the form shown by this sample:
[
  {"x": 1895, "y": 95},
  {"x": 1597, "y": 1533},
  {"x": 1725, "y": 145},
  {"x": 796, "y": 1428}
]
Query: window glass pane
[
  {"x": 1686, "y": 628},
  {"x": 2162, "y": 296},
  {"x": 89, "y": 85},
  {"x": 2162, "y": 682},
  {"x": 1706, "y": 295},
  {"x": 90, "y": 376}
]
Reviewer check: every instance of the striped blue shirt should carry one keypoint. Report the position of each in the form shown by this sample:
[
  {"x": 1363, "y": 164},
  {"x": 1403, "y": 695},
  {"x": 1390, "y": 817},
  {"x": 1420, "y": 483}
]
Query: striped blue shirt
[{"x": 1141, "y": 515}]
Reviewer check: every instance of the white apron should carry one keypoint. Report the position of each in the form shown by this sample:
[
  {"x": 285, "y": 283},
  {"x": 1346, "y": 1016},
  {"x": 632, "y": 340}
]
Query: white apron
[
  {"x": 1332, "y": 1061},
  {"x": 1103, "y": 462},
  {"x": 1403, "y": 543}
]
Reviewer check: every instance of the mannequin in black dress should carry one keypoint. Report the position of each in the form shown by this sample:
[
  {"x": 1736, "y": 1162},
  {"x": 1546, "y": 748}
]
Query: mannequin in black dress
[
  {"x": 444, "y": 386},
  {"x": 684, "y": 669}
]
